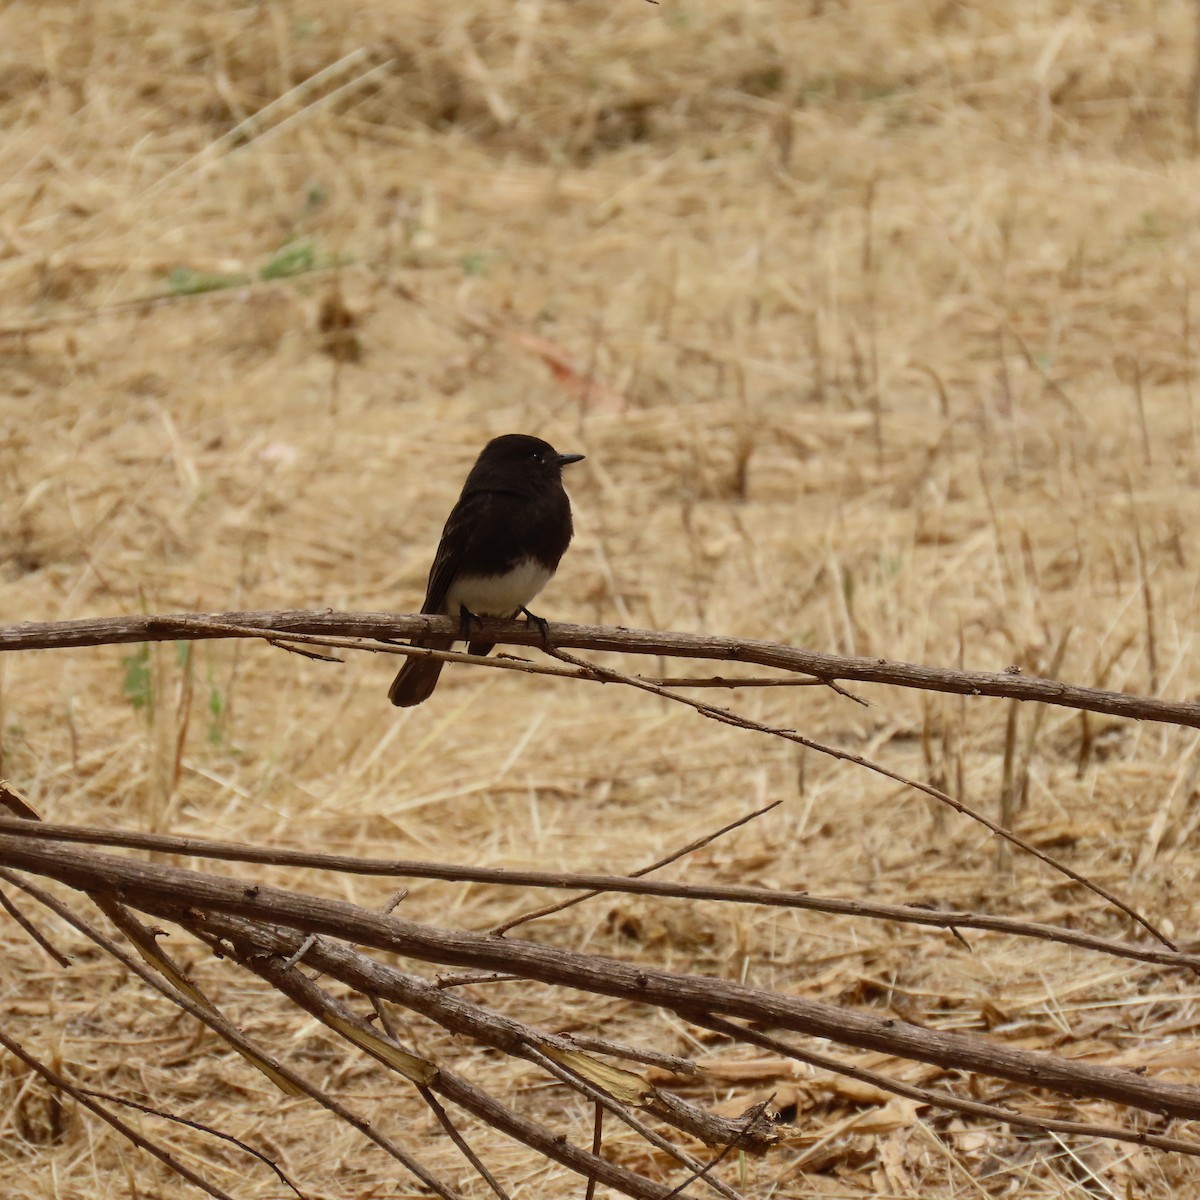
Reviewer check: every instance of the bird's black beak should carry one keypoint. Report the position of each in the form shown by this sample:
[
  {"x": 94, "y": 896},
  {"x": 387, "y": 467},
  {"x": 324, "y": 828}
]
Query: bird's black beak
[{"x": 565, "y": 459}]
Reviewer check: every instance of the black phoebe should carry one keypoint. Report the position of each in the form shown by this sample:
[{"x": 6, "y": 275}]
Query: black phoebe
[{"x": 501, "y": 544}]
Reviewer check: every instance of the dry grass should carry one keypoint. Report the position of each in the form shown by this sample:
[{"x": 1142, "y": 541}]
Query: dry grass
[{"x": 889, "y": 302}]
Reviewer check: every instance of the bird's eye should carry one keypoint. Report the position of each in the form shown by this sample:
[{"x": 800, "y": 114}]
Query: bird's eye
[{"x": 537, "y": 457}]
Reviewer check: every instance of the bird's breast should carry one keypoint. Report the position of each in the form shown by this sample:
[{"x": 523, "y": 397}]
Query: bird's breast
[{"x": 498, "y": 595}]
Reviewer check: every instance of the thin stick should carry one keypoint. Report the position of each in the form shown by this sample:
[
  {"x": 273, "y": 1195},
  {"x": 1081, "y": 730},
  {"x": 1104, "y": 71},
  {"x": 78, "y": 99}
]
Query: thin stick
[
  {"x": 936, "y": 1098},
  {"x": 54, "y": 1079},
  {"x": 476, "y": 979},
  {"x": 31, "y": 929},
  {"x": 698, "y": 844},
  {"x": 597, "y": 1142},
  {"x": 756, "y": 1113},
  {"x": 443, "y": 1117},
  {"x": 201, "y": 1128},
  {"x": 587, "y": 1088},
  {"x": 653, "y": 1058},
  {"x": 737, "y": 681},
  {"x": 730, "y": 718},
  {"x": 907, "y": 914},
  {"x": 1008, "y": 802}
]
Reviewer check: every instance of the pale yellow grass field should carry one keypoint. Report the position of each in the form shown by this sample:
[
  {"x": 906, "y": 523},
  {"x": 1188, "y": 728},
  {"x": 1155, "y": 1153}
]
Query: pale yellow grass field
[{"x": 889, "y": 302}]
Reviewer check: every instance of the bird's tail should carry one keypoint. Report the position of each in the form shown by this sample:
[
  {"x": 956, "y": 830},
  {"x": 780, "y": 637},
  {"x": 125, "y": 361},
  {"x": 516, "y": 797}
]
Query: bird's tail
[{"x": 418, "y": 677}]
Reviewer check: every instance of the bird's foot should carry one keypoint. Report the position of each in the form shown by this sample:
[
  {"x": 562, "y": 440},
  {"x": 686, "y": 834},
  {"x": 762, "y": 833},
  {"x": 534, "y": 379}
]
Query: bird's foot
[
  {"x": 466, "y": 618},
  {"x": 542, "y": 624}
]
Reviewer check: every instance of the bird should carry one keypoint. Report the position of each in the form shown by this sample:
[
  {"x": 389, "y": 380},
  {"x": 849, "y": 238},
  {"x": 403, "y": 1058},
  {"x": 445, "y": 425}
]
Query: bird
[{"x": 500, "y": 546}]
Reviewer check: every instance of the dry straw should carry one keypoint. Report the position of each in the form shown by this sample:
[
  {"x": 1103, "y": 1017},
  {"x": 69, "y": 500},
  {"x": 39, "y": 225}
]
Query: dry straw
[{"x": 876, "y": 322}]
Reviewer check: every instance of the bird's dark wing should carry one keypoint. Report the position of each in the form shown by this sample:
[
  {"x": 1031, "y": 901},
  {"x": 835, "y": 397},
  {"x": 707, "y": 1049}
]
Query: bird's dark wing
[{"x": 459, "y": 533}]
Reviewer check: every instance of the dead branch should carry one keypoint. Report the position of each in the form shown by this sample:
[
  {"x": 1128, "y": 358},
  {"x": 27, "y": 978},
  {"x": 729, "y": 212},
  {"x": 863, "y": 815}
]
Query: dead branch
[
  {"x": 465, "y": 1019},
  {"x": 1011, "y": 685},
  {"x": 174, "y": 894},
  {"x": 333, "y": 1013},
  {"x": 200, "y": 1127},
  {"x": 928, "y": 916},
  {"x": 32, "y": 930},
  {"x": 697, "y": 844}
]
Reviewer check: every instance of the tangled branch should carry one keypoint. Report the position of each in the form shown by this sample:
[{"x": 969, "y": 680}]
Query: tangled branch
[
  {"x": 275, "y": 933},
  {"x": 174, "y": 894}
]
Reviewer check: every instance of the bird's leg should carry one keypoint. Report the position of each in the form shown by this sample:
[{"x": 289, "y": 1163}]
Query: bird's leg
[
  {"x": 466, "y": 618},
  {"x": 542, "y": 624}
]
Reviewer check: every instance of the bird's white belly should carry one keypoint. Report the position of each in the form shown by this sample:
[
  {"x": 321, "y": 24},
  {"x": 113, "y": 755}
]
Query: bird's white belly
[{"x": 498, "y": 595}]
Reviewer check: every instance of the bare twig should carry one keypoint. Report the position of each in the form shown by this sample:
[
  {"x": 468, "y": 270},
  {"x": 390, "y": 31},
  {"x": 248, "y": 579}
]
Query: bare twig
[
  {"x": 31, "y": 929},
  {"x": 200, "y": 1127},
  {"x": 741, "y": 722},
  {"x": 940, "y": 1099},
  {"x": 102, "y": 631},
  {"x": 585, "y": 1086},
  {"x": 908, "y": 914},
  {"x": 443, "y": 1117},
  {"x": 54, "y": 1079},
  {"x": 756, "y": 1114},
  {"x": 597, "y": 1142},
  {"x": 738, "y": 681},
  {"x": 476, "y": 979},
  {"x": 1008, "y": 784},
  {"x": 652, "y": 1058},
  {"x": 698, "y": 844}
]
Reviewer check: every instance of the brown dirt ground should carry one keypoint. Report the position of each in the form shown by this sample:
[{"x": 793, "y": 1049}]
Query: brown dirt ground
[{"x": 888, "y": 308}]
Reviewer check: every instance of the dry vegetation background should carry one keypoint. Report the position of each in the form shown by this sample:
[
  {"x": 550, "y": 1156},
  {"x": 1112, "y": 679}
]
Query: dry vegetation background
[{"x": 888, "y": 311}]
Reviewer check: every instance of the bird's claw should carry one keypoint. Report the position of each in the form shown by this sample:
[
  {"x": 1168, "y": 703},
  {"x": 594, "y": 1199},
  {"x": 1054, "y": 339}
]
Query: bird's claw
[
  {"x": 541, "y": 622},
  {"x": 466, "y": 618}
]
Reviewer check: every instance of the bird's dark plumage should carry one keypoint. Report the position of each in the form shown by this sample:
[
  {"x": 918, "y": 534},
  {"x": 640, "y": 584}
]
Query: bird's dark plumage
[{"x": 501, "y": 544}]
